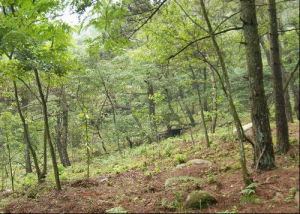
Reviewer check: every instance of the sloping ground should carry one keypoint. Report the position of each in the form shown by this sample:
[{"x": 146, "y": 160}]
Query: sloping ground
[{"x": 165, "y": 191}]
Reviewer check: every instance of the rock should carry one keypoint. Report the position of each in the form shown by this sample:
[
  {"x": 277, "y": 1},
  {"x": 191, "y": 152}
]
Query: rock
[
  {"x": 193, "y": 162},
  {"x": 297, "y": 198},
  {"x": 199, "y": 200},
  {"x": 199, "y": 161},
  {"x": 245, "y": 127},
  {"x": 180, "y": 166}
]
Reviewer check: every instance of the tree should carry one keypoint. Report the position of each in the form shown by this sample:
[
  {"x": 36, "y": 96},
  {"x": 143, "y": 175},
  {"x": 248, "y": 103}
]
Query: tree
[
  {"x": 282, "y": 134},
  {"x": 263, "y": 150}
]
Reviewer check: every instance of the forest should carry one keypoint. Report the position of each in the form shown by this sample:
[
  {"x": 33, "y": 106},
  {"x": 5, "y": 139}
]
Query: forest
[{"x": 149, "y": 106}]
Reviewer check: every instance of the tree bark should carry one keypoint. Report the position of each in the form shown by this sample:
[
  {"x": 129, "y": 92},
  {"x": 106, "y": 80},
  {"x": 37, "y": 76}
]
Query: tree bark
[
  {"x": 282, "y": 134},
  {"x": 227, "y": 89},
  {"x": 263, "y": 151},
  {"x": 214, "y": 102},
  {"x": 47, "y": 128},
  {"x": 62, "y": 129},
  {"x": 26, "y": 133}
]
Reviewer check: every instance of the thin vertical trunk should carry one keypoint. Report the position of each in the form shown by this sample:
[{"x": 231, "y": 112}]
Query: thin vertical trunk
[
  {"x": 205, "y": 104},
  {"x": 10, "y": 166},
  {"x": 196, "y": 85},
  {"x": 26, "y": 133},
  {"x": 62, "y": 130},
  {"x": 186, "y": 108},
  {"x": 263, "y": 151},
  {"x": 101, "y": 139},
  {"x": 114, "y": 114},
  {"x": 45, "y": 158},
  {"x": 28, "y": 166},
  {"x": 239, "y": 128},
  {"x": 288, "y": 106},
  {"x": 47, "y": 128},
  {"x": 296, "y": 92},
  {"x": 282, "y": 134},
  {"x": 27, "y": 157},
  {"x": 214, "y": 102},
  {"x": 151, "y": 109}
]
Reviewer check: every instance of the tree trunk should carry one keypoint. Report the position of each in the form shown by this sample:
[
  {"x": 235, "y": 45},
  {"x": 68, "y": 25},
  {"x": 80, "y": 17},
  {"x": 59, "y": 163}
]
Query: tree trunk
[
  {"x": 296, "y": 92},
  {"x": 62, "y": 130},
  {"x": 263, "y": 151},
  {"x": 10, "y": 165},
  {"x": 27, "y": 156},
  {"x": 282, "y": 134},
  {"x": 214, "y": 102},
  {"x": 228, "y": 93},
  {"x": 196, "y": 85},
  {"x": 47, "y": 128},
  {"x": 26, "y": 133},
  {"x": 205, "y": 104},
  {"x": 28, "y": 167},
  {"x": 288, "y": 106},
  {"x": 151, "y": 109},
  {"x": 186, "y": 108}
]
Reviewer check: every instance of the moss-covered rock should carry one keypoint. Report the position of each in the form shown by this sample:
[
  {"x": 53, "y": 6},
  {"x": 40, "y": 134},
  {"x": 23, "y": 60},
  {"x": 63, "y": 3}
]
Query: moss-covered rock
[{"x": 199, "y": 200}]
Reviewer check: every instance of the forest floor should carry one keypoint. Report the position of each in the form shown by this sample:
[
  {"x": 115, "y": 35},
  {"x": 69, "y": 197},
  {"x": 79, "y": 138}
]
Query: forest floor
[{"x": 156, "y": 185}]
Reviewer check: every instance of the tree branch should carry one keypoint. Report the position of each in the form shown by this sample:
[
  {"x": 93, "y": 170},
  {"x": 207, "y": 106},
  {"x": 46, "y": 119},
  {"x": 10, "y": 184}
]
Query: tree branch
[
  {"x": 148, "y": 19},
  {"x": 202, "y": 38}
]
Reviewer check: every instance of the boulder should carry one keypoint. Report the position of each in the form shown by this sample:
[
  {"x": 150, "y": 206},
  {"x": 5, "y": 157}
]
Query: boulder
[
  {"x": 194, "y": 162},
  {"x": 199, "y": 161},
  {"x": 199, "y": 200}
]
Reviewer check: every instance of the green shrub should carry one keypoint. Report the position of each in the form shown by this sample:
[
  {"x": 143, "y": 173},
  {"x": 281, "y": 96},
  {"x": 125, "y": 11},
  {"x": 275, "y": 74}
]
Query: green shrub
[{"x": 180, "y": 158}]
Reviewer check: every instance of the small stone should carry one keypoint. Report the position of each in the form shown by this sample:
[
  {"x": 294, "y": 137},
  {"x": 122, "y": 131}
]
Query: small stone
[{"x": 199, "y": 200}]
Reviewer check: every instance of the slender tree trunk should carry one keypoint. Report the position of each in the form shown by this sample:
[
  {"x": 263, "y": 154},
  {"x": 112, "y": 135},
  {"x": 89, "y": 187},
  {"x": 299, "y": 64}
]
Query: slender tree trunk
[
  {"x": 214, "y": 102},
  {"x": 114, "y": 114},
  {"x": 47, "y": 128},
  {"x": 205, "y": 104},
  {"x": 28, "y": 166},
  {"x": 288, "y": 106},
  {"x": 227, "y": 85},
  {"x": 282, "y": 134},
  {"x": 45, "y": 158},
  {"x": 101, "y": 139},
  {"x": 141, "y": 128},
  {"x": 26, "y": 133},
  {"x": 263, "y": 152},
  {"x": 10, "y": 165},
  {"x": 296, "y": 92},
  {"x": 196, "y": 85},
  {"x": 151, "y": 109},
  {"x": 187, "y": 109},
  {"x": 27, "y": 157},
  {"x": 62, "y": 130}
]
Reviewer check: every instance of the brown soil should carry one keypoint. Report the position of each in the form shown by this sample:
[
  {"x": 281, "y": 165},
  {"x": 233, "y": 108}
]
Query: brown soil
[{"x": 136, "y": 192}]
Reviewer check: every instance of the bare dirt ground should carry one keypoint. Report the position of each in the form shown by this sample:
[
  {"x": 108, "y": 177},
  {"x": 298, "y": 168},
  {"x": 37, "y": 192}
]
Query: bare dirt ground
[{"x": 140, "y": 193}]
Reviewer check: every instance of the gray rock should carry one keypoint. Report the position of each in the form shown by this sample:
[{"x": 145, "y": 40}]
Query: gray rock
[
  {"x": 199, "y": 200},
  {"x": 199, "y": 161},
  {"x": 193, "y": 162}
]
